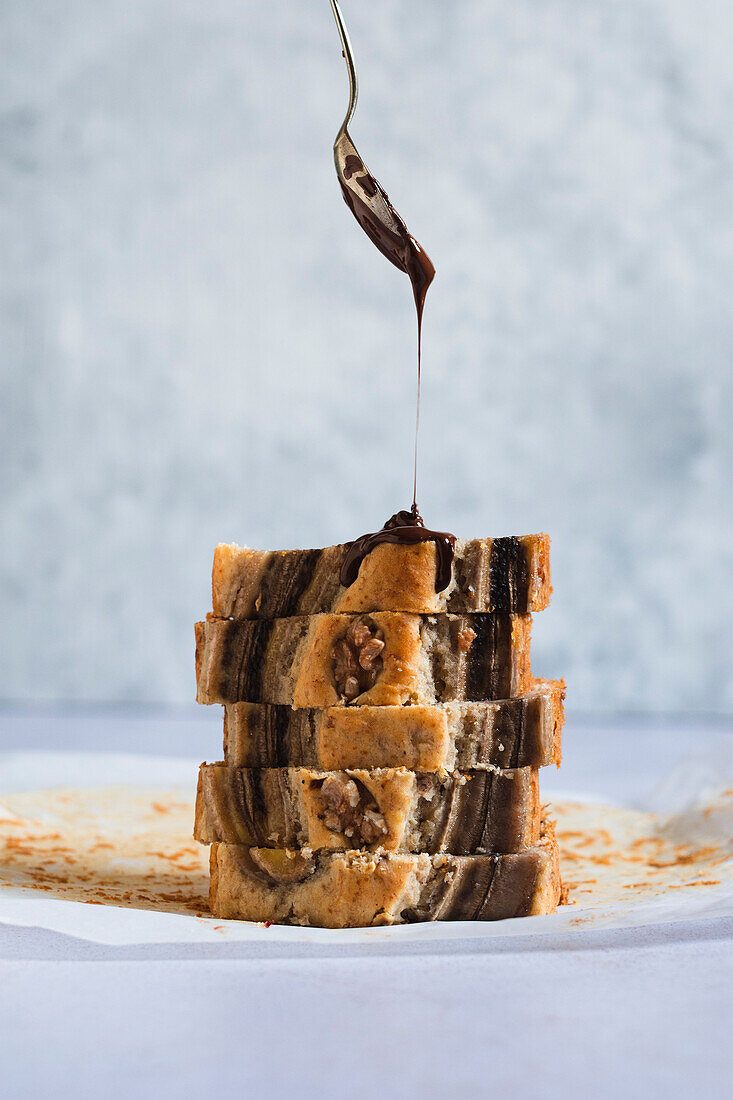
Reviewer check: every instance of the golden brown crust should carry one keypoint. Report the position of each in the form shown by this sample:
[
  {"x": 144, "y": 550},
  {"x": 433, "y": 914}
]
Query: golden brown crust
[
  {"x": 548, "y": 891},
  {"x": 555, "y": 690}
]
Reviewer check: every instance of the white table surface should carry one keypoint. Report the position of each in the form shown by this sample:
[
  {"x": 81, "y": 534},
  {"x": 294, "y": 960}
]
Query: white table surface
[{"x": 633, "y": 1012}]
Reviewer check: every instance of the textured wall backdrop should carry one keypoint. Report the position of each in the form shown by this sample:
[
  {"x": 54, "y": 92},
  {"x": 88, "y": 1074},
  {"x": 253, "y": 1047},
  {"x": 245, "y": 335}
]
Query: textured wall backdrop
[{"x": 199, "y": 344}]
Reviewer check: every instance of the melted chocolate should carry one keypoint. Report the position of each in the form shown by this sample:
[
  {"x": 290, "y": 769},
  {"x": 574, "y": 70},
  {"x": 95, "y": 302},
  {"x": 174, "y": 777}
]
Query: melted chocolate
[{"x": 405, "y": 528}]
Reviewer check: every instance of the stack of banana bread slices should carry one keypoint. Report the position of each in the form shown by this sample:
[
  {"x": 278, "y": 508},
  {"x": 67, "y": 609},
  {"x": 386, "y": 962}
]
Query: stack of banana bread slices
[{"x": 381, "y": 741}]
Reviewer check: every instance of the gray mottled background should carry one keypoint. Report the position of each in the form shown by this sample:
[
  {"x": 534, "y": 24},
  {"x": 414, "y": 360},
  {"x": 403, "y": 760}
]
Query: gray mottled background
[{"x": 198, "y": 344}]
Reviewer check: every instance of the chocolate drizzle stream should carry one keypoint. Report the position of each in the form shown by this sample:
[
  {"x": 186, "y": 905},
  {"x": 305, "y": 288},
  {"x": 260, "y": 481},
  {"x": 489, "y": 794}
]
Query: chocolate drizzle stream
[
  {"x": 399, "y": 246},
  {"x": 370, "y": 205},
  {"x": 405, "y": 528}
]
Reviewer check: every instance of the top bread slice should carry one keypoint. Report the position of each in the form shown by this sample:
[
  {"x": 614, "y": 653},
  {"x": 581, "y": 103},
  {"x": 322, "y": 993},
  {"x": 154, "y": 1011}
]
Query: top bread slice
[{"x": 504, "y": 575}]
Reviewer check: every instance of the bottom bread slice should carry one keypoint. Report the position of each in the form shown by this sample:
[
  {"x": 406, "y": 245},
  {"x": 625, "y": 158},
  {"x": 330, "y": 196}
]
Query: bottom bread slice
[{"x": 360, "y": 889}]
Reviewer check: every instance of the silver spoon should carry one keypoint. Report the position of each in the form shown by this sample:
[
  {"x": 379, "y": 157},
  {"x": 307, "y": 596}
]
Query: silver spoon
[{"x": 367, "y": 199}]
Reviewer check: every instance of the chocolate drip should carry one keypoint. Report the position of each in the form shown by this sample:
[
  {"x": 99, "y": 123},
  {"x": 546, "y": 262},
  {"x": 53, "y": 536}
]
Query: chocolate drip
[
  {"x": 406, "y": 529},
  {"x": 385, "y": 228}
]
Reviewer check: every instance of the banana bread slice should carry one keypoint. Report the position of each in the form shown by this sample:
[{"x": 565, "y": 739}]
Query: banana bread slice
[
  {"x": 478, "y": 811},
  {"x": 360, "y": 889},
  {"x": 507, "y": 575},
  {"x": 508, "y": 733},
  {"x": 384, "y": 659}
]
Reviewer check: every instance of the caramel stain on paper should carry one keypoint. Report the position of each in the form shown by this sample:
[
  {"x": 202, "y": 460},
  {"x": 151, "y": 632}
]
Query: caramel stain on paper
[
  {"x": 609, "y": 854},
  {"x": 106, "y": 846}
]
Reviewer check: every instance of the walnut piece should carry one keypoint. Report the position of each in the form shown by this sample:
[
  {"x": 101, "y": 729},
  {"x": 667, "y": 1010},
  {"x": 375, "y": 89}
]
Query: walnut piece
[
  {"x": 372, "y": 826},
  {"x": 347, "y": 807},
  {"x": 370, "y": 652},
  {"x": 357, "y": 658},
  {"x": 466, "y": 638}
]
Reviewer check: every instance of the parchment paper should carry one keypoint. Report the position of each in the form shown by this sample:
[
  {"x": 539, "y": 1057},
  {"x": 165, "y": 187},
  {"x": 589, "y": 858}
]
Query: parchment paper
[{"x": 99, "y": 846}]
